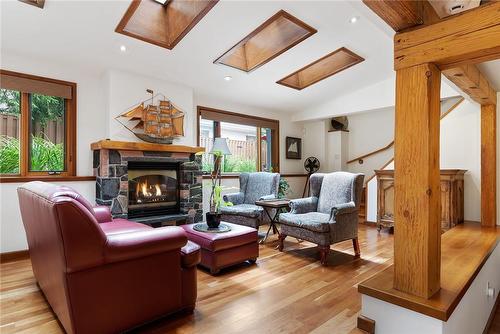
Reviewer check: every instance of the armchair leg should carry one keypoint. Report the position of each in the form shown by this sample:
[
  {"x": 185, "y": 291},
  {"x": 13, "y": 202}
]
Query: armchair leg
[
  {"x": 355, "y": 244},
  {"x": 323, "y": 254},
  {"x": 281, "y": 239}
]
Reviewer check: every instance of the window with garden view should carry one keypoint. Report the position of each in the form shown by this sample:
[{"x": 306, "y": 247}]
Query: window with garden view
[
  {"x": 253, "y": 141},
  {"x": 37, "y": 126}
]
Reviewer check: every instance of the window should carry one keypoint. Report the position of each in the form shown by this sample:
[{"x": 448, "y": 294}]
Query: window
[
  {"x": 253, "y": 141},
  {"x": 37, "y": 126}
]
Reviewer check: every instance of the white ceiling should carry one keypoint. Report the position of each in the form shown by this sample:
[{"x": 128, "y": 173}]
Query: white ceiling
[
  {"x": 492, "y": 71},
  {"x": 82, "y": 32}
]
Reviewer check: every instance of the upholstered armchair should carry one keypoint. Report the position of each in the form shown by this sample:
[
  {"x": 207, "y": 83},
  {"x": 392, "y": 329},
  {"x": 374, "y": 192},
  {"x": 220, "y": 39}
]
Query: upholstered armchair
[
  {"x": 253, "y": 187},
  {"x": 104, "y": 275},
  {"x": 329, "y": 216}
]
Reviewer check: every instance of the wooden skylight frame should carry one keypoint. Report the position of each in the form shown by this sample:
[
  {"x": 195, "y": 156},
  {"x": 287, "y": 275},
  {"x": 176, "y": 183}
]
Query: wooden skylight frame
[
  {"x": 164, "y": 25},
  {"x": 333, "y": 63},
  {"x": 280, "y": 32}
]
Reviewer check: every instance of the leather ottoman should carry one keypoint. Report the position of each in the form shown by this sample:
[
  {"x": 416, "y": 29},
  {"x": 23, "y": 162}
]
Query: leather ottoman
[{"x": 220, "y": 250}]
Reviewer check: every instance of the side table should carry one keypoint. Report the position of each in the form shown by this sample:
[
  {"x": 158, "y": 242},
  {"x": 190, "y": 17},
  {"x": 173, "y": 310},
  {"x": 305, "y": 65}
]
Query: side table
[{"x": 268, "y": 205}]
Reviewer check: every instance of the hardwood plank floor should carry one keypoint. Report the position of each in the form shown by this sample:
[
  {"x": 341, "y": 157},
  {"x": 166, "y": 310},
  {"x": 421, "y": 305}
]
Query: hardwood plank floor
[{"x": 287, "y": 292}]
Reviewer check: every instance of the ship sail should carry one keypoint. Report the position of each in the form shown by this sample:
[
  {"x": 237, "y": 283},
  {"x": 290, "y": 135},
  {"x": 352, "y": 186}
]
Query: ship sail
[{"x": 157, "y": 123}]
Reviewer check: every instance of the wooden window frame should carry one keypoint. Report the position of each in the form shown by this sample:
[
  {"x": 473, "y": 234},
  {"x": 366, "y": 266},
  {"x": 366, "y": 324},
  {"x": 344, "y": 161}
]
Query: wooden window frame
[
  {"x": 216, "y": 115},
  {"x": 70, "y": 135}
]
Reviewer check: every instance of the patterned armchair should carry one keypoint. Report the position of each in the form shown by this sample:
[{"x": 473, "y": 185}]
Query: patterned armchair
[
  {"x": 253, "y": 187},
  {"x": 329, "y": 216}
]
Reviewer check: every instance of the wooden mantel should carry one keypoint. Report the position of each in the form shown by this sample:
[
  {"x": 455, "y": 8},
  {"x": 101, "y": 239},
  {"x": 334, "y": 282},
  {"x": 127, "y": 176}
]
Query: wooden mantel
[{"x": 135, "y": 146}]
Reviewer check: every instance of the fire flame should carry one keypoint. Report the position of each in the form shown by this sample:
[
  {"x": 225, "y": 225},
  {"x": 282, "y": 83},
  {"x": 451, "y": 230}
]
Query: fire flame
[{"x": 145, "y": 190}]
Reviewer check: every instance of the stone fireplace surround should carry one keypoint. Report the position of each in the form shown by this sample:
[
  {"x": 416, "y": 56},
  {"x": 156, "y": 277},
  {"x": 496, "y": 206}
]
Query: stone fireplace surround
[{"x": 110, "y": 164}]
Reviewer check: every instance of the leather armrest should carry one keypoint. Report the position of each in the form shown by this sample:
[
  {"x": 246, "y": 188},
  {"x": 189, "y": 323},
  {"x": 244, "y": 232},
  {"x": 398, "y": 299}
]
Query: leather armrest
[
  {"x": 126, "y": 246},
  {"x": 102, "y": 214},
  {"x": 190, "y": 255}
]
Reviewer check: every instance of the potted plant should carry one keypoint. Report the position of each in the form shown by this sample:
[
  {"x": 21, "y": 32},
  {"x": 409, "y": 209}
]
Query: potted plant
[{"x": 219, "y": 149}]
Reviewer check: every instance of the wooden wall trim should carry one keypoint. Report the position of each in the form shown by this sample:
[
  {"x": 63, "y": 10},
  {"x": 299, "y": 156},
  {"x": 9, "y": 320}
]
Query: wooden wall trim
[
  {"x": 366, "y": 324},
  {"x": 70, "y": 127},
  {"x": 15, "y": 179},
  {"x": 219, "y": 115},
  {"x": 14, "y": 256}
]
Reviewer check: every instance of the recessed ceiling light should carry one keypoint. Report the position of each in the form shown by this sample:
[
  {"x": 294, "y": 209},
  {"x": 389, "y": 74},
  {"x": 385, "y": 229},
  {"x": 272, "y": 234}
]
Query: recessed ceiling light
[
  {"x": 354, "y": 19},
  {"x": 123, "y": 48},
  {"x": 228, "y": 78}
]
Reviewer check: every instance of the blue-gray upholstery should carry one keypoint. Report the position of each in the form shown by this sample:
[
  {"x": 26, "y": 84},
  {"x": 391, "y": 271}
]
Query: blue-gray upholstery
[
  {"x": 253, "y": 187},
  {"x": 330, "y": 215}
]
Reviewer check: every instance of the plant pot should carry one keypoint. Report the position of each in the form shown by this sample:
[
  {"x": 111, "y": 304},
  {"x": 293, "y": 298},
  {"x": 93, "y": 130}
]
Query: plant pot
[{"x": 213, "y": 219}]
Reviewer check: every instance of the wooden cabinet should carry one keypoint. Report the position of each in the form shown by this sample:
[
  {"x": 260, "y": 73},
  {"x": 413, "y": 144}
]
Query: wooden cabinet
[{"x": 452, "y": 198}]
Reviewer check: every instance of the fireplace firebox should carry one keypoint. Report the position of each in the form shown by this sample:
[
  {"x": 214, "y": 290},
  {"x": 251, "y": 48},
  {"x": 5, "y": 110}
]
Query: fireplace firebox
[{"x": 153, "y": 188}]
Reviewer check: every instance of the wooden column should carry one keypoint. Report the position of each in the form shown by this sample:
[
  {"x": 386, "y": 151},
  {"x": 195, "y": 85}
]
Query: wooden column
[
  {"x": 488, "y": 165},
  {"x": 417, "y": 234}
]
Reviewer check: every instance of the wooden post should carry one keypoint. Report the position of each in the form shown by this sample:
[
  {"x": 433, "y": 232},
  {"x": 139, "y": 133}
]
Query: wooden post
[
  {"x": 488, "y": 165},
  {"x": 417, "y": 234}
]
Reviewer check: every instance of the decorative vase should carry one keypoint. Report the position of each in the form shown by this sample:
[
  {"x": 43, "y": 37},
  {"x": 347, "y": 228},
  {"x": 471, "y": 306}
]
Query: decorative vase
[{"x": 213, "y": 219}]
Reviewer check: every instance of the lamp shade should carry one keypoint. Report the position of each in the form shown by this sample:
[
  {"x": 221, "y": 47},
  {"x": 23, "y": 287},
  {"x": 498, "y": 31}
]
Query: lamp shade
[{"x": 220, "y": 145}]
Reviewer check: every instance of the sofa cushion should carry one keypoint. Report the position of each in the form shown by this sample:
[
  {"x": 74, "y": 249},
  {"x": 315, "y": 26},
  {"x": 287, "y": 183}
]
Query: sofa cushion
[
  {"x": 246, "y": 210},
  {"x": 312, "y": 221},
  {"x": 119, "y": 225},
  {"x": 238, "y": 236}
]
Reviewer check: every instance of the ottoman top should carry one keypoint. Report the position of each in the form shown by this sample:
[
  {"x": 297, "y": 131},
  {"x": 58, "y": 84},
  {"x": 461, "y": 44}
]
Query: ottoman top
[{"x": 238, "y": 236}]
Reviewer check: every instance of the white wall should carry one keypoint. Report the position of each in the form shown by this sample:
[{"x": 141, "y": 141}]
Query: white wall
[
  {"x": 314, "y": 142},
  {"x": 377, "y": 96},
  {"x": 125, "y": 90},
  {"x": 461, "y": 149},
  {"x": 368, "y": 132},
  {"x": 11, "y": 226},
  {"x": 91, "y": 127}
]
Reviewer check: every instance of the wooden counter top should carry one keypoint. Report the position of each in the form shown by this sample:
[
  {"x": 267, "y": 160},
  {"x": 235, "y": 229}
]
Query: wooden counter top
[
  {"x": 464, "y": 250},
  {"x": 136, "y": 146}
]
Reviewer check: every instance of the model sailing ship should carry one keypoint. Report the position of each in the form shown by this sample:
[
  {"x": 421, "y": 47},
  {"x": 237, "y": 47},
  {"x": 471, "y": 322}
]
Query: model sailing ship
[{"x": 154, "y": 123}]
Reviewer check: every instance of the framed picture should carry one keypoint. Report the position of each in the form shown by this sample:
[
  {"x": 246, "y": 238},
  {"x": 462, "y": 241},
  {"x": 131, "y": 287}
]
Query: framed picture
[{"x": 293, "y": 148}]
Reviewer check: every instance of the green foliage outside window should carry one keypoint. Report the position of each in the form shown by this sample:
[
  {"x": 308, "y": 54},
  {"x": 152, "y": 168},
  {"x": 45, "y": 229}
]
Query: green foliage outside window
[
  {"x": 45, "y": 154},
  {"x": 10, "y": 102}
]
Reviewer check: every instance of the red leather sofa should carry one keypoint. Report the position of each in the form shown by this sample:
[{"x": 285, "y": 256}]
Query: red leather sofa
[{"x": 104, "y": 275}]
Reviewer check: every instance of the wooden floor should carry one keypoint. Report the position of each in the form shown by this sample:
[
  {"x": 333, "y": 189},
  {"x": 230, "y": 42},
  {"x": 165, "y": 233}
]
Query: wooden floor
[
  {"x": 282, "y": 293},
  {"x": 495, "y": 323}
]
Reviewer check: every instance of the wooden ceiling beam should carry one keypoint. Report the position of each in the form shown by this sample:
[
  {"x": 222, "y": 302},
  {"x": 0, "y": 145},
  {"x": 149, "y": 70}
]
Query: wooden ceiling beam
[
  {"x": 472, "y": 82},
  {"x": 469, "y": 37},
  {"x": 399, "y": 15},
  {"x": 468, "y": 78}
]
